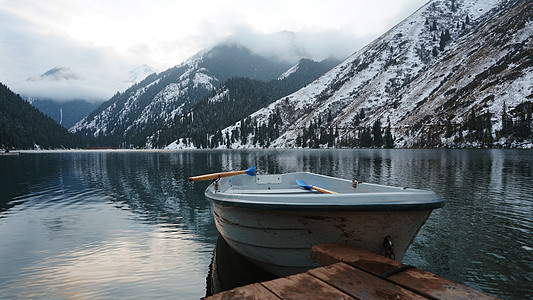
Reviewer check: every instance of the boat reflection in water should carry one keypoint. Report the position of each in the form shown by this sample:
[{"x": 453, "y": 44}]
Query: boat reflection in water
[{"x": 229, "y": 269}]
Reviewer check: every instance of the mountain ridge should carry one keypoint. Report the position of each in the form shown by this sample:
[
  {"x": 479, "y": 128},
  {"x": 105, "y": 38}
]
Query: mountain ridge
[
  {"x": 233, "y": 101},
  {"x": 65, "y": 113},
  {"x": 389, "y": 82},
  {"x": 24, "y": 127},
  {"x": 128, "y": 118}
]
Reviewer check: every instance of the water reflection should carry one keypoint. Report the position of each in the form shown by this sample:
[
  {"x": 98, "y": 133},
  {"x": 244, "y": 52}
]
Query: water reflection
[
  {"x": 152, "y": 185},
  {"x": 97, "y": 224},
  {"x": 482, "y": 237},
  {"x": 118, "y": 224},
  {"x": 229, "y": 269}
]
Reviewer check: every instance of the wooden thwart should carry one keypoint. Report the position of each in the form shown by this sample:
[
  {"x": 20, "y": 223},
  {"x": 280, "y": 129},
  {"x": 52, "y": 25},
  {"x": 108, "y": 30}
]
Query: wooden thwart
[{"x": 354, "y": 273}]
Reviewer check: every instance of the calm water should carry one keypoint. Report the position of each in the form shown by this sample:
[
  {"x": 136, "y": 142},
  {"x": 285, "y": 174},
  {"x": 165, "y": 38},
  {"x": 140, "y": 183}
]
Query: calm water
[{"x": 130, "y": 225}]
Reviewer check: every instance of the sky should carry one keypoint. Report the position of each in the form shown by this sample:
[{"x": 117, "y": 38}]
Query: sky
[{"x": 99, "y": 42}]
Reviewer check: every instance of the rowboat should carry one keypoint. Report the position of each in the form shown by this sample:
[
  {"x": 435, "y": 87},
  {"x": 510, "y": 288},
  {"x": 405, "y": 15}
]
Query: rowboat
[{"x": 274, "y": 220}]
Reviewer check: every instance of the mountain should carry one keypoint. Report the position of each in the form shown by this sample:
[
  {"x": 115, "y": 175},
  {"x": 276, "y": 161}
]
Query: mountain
[
  {"x": 453, "y": 74},
  {"x": 140, "y": 72},
  {"x": 129, "y": 118},
  {"x": 234, "y": 60},
  {"x": 65, "y": 113},
  {"x": 232, "y": 102},
  {"x": 56, "y": 74},
  {"x": 24, "y": 127},
  {"x": 56, "y": 93}
]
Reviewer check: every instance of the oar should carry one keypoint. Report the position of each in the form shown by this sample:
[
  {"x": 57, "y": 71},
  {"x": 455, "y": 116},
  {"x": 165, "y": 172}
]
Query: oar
[
  {"x": 312, "y": 187},
  {"x": 250, "y": 171}
]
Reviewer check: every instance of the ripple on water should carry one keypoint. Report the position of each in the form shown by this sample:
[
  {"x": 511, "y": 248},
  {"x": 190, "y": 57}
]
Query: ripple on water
[
  {"x": 97, "y": 225},
  {"x": 100, "y": 253}
]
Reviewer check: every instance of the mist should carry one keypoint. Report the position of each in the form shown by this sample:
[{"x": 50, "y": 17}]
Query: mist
[
  {"x": 291, "y": 46},
  {"x": 94, "y": 73},
  {"x": 101, "y": 48}
]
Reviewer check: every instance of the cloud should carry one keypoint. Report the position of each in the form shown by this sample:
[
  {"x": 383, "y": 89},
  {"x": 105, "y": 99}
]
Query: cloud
[
  {"x": 101, "y": 41},
  {"x": 96, "y": 73},
  {"x": 63, "y": 91},
  {"x": 291, "y": 46},
  {"x": 26, "y": 53}
]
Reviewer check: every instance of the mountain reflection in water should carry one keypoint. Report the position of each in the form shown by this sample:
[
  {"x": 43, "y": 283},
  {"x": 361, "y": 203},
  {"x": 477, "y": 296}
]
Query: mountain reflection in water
[{"x": 123, "y": 224}]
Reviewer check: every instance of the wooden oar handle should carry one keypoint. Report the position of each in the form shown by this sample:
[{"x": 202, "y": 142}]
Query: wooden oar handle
[
  {"x": 216, "y": 175},
  {"x": 322, "y": 190}
]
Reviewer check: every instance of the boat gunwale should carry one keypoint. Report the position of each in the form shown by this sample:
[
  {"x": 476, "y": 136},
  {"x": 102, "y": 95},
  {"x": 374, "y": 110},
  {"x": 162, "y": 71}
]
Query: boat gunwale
[
  {"x": 378, "y": 207},
  {"x": 405, "y": 199}
]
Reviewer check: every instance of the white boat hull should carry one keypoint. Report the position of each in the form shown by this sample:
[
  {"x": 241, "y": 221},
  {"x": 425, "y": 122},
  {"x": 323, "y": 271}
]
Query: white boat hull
[
  {"x": 280, "y": 241},
  {"x": 274, "y": 223}
]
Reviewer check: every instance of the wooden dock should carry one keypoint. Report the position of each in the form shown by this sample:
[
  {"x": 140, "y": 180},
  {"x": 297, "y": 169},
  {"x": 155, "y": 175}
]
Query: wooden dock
[{"x": 354, "y": 273}]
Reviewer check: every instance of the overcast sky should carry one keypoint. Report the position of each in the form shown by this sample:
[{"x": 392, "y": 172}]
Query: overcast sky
[{"x": 101, "y": 40}]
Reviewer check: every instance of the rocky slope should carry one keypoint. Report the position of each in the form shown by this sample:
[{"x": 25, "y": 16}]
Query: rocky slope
[
  {"x": 23, "y": 127},
  {"x": 453, "y": 74},
  {"x": 128, "y": 118},
  {"x": 65, "y": 113},
  {"x": 233, "y": 101}
]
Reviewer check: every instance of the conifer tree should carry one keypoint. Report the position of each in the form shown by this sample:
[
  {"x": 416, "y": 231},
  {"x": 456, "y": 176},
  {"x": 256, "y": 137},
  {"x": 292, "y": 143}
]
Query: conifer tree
[
  {"x": 377, "y": 134},
  {"x": 365, "y": 138},
  {"x": 389, "y": 139},
  {"x": 299, "y": 140},
  {"x": 507, "y": 122},
  {"x": 444, "y": 38},
  {"x": 331, "y": 137}
]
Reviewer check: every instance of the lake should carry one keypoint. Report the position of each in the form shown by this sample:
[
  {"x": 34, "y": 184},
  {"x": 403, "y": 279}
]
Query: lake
[{"x": 128, "y": 224}]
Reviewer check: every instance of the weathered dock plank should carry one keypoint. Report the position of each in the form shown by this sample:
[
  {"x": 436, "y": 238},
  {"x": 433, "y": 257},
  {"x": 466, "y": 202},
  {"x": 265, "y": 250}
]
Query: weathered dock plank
[
  {"x": 300, "y": 286},
  {"x": 354, "y": 273},
  {"x": 254, "y": 291},
  {"x": 413, "y": 279},
  {"x": 360, "y": 284},
  {"x": 303, "y": 286}
]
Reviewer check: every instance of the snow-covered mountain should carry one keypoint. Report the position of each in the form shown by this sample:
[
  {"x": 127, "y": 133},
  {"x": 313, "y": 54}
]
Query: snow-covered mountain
[
  {"x": 56, "y": 93},
  {"x": 454, "y": 73},
  {"x": 128, "y": 118},
  {"x": 56, "y": 74},
  {"x": 140, "y": 72},
  {"x": 233, "y": 101}
]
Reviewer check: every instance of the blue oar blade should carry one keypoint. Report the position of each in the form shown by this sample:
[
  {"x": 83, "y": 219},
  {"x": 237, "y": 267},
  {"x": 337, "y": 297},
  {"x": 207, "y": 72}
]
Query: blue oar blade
[
  {"x": 251, "y": 171},
  {"x": 302, "y": 184}
]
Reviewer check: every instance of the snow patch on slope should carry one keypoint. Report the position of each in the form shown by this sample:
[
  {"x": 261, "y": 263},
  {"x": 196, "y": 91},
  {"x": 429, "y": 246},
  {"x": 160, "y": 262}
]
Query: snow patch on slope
[
  {"x": 289, "y": 72},
  {"x": 400, "y": 80}
]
